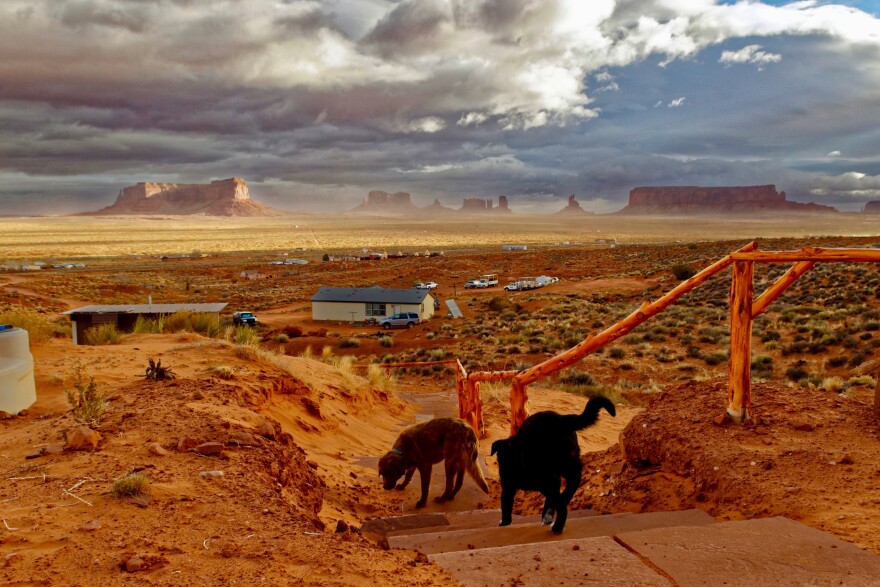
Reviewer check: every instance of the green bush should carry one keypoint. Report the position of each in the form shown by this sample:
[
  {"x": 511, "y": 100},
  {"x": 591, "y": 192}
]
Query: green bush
[
  {"x": 349, "y": 343},
  {"x": 682, "y": 271},
  {"x": 103, "y": 334},
  {"x": 147, "y": 326},
  {"x": 39, "y": 326},
  {"x": 203, "y": 323},
  {"x": 86, "y": 403},
  {"x": 130, "y": 486}
]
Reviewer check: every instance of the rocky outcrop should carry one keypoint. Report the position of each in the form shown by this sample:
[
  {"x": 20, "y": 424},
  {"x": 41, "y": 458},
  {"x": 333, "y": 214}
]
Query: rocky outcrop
[
  {"x": 872, "y": 207},
  {"x": 378, "y": 201},
  {"x": 706, "y": 200},
  {"x": 475, "y": 205},
  {"x": 226, "y": 197},
  {"x": 436, "y": 208},
  {"x": 573, "y": 208}
]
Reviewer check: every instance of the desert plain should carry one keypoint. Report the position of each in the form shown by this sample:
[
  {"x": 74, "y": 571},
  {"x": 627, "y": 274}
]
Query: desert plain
[{"x": 298, "y": 424}]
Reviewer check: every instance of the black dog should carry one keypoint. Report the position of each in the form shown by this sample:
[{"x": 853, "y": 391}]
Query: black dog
[{"x": 543, "y": 452}]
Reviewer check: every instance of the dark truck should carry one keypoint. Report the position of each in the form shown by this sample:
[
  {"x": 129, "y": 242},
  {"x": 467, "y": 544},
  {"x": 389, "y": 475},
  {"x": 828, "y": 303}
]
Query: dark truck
[{"x": 244, "y": 319}]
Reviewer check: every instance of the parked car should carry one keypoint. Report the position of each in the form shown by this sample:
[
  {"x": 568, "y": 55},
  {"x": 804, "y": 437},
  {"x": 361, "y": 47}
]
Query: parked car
[
  {"x": 476, "y": 284},
  {"x": 244, "y": 319},
  {"x": 420, "y": 285},
  {"x": 512, "y": 286},
  {"x": 431, "y": 285},
  {"x": 400, "y": 320}
]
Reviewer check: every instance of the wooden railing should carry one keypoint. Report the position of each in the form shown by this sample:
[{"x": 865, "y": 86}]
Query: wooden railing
[{"x": 743, "y": 308}]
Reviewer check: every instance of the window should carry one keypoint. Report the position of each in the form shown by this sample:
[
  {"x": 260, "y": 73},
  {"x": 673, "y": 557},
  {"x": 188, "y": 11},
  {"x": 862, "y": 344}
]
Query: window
[{"x": 375, "y": 310}]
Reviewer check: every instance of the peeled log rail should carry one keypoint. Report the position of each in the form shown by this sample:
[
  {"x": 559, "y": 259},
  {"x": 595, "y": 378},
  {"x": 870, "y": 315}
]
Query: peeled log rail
[
  {"x": 759, "y": 306},
  {"x": 808, "y": 254},
  {"x": 611, "y": 333}
]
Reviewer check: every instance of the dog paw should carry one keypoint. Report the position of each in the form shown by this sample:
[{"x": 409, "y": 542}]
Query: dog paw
[
  {"x": 420, "y": 504},
  {"x": 440, "y": 499},
  {"x": 400, "y": 487},
  {"x": 505, "y": 523},
  {"x": 556, "y": 531},
  {"x": 547, "y": 519}
]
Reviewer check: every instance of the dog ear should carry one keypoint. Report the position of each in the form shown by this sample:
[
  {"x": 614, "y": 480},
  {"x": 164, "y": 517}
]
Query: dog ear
[{"x": 497, "y": 446}]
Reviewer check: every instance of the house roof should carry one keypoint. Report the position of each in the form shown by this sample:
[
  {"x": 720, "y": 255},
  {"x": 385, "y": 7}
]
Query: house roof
[
  {"x": 375, "y": 295},
  {"x": 146, "y": 308}
]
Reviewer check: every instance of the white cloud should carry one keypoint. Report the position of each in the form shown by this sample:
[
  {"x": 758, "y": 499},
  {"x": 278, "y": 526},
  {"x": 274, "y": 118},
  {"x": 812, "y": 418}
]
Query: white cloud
[
  {"x": 676, "y": 102},
  {"x": 833, "y": 154},
  {"x": 750, "y": 54}
]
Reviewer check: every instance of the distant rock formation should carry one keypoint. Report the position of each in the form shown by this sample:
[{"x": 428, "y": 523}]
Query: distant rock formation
[
  {"x": 436, "y": 208},
  {"x": 872, "y": 207},
  {"x": 706, "y": 200},
  {"x": 226, "y": 197},
  {"x": 378, "y": 201},
  {"x": 470, "y": 205},
  {"x": 573, "y": 208}
]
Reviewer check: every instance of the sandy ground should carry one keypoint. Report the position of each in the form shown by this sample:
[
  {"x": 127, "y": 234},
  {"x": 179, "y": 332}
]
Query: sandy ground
[{"x": 278, "y": 504}]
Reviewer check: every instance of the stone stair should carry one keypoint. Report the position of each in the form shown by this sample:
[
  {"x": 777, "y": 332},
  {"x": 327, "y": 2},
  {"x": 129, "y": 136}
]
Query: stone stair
[{"x": 681, "y": 549}]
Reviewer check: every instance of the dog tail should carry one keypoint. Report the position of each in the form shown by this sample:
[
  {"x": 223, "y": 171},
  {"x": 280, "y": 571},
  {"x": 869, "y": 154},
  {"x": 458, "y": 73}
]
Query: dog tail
[
  {"x": 473, "y": 469},
  {"x": 590, "y": 413}
]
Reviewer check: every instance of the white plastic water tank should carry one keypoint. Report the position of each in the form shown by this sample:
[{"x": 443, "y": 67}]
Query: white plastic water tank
[{"x": 17, "y": 389}]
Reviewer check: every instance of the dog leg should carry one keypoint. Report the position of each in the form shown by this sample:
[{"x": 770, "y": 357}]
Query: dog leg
[
  {"x": 507, "y": 496},
  {"x": 459, "y": 479},
  {"x": 425, "y": 476},
  {"x": 548, "y": 513},
  {"x": 551, "y": 496},
  {"x": 572, "y": 482},
  {"x": 406, "y": 479},
  {"x": 448, "y": 492}
]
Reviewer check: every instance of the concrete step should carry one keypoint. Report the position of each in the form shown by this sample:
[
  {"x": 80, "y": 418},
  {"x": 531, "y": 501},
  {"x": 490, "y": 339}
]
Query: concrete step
[
  {"x": 483, "y": 519},
  {"x": 580, "y": 561},
  {"x": 471, "y": 539},
  {"x": 767, "y": 551},
  {"x": 380, "y": 527}
]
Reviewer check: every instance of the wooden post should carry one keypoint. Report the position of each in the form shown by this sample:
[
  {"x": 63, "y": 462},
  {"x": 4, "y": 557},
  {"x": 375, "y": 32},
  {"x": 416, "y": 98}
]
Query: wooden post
[
  {"x": 476, "y": 415},
  {"x": 739, "y": 398},
  {"x": 518, "y": 412}
]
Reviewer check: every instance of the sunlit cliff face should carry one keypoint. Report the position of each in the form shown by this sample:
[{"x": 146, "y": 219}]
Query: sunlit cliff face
[{"x": 317, "y": 103}]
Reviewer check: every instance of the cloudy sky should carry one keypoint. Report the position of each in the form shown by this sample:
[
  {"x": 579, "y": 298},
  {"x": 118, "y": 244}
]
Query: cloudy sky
[{"x": 315, "y": 103}]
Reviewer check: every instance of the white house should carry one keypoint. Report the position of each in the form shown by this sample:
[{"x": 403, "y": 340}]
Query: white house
[{"x": 349, "y": 304}]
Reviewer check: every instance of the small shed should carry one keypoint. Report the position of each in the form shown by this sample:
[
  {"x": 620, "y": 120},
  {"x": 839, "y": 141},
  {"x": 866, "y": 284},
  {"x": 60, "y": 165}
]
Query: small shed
[
  {"x": 350, "y": 304},
  {"x": 514, "y": 247},
  {"x": 124, "y": 316}
]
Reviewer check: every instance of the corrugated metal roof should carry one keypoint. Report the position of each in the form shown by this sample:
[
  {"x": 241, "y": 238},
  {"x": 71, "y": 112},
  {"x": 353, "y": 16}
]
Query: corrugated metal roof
[
  {"x": 147, "y": 308},
  {"x": 374, "y": 295}
]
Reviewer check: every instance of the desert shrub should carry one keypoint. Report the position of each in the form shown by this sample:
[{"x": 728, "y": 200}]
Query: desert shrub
[
  {"x": 871, "y": 326},
  {"x": 430, "y": 336},
  {"x": 834, "y": 384},
  {"x": 379, "y": 377},
  {"x": 769, "y": 335},
  {"x": 39, "y": 326},
  {"x": 203, "y": 323},
  {"x": 103, "y": 334},
  {"x": 575, "y": 378},
  {"x": 682, "y": 271},
  {"x": 499, "y": 304},
  {"x": 130, "y": 486},
  {"x": 246, "y": 336},
  {"x": 87, "y": 404},
  {"x": 617, "y": 353},
  {"x": 838, "y": 361},
  {"x": 715, "y": 358},
  {"x": 156, "y": 372},
  {"x": 147, "y": 325},
  {"x": 293, "y": 331},
  {"x": 282, "y": 338},
  {"x": 224, "y": 371},
  {"x": 445, "y": 327},
  {"x": 693, "y": 351},
  {"x": 856, "y": 359},
  {"x": 349, "y": 343},
  {"x": 386, "y": 341},
  {"x": 796, "y": 373},
  {"x": 762, "y": 367}
]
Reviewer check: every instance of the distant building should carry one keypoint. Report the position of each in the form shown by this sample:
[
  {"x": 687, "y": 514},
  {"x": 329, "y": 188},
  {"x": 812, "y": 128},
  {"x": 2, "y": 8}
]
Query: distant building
[
  {"x": 125, "y": 316},
  {"x": 346, "y": 304},
  {"x": 514, "y": 247}
]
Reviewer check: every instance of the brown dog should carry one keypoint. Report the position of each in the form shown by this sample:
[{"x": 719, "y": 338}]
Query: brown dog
[{"x": 422, "y": 445}]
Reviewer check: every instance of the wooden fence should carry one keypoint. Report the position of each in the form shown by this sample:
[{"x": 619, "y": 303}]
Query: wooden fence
[{"x": 744, "y": 307}]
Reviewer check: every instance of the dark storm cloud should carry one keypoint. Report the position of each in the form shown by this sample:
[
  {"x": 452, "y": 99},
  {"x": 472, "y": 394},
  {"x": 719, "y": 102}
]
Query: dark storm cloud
[{"x": 315, "y": 103}]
